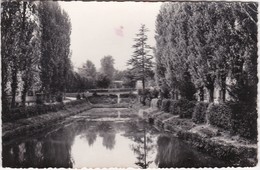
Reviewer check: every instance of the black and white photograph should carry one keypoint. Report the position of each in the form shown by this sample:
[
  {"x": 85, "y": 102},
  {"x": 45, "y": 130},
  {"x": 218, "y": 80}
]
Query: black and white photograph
[{"x": 129, "y": 84}]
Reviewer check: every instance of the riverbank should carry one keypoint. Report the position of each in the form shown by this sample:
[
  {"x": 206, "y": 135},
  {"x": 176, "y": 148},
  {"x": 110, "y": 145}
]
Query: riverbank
[
  {"x": 37, "y": 123},
  {"x": 206, "y": 138},
  {"x": 40, "y": 122}
]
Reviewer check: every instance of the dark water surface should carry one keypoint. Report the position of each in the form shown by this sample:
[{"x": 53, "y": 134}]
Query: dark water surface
[{"x": 104, "y": 143}]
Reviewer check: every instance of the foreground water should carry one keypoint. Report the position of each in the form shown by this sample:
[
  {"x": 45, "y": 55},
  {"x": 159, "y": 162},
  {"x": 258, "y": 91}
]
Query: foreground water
[{"x": 117, "y": 141}]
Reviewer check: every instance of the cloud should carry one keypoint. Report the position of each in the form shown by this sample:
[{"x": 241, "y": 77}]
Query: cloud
[{"x": 119, "y": 31}]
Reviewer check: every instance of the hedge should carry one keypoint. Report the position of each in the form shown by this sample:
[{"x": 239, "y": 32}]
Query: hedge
[
  {"x": 244, "y": 118},
  {"x": 104, "y": 99},
  {"x": 30, "y": 111},
  {"x": 220, "y": 115},
  {"x": 199, "y": 114},
  {"x": 186, "y": 108},
  {"x": 165, "y": 105},
  {"x": 174, "y": 109},
  {"x": 181, "y": 107},
  {"x": 237, "y": 118},
  {"x": 128, "y": 95}
]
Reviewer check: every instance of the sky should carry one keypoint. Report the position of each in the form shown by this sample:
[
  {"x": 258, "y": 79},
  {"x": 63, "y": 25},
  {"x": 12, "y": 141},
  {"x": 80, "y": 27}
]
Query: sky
[{"x": 108, "y": 28}]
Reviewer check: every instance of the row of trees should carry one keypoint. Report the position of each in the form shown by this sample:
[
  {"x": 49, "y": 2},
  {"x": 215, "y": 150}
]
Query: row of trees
[
  {"x": 35, "y": 48},
  {"x": 88, "y": 77},
  {"x": 95, "y": 79},
  {"x": 207, "y": 44}
]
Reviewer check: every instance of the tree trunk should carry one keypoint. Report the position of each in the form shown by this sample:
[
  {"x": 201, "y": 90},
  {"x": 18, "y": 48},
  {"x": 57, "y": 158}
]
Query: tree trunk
[
  {"x": 172, "y": 94},
  {"x": 5, "y": 104},
  {"x": 201, "y": 95},
  {"x": 223, "y": 88},
  {"x": 211, "y": 94},
  {"x": 145, "y": 149},
  {"x": 14, "y": 86},
  {"x": 143, "y": 94},
  {"x": 24, "y": 92}
]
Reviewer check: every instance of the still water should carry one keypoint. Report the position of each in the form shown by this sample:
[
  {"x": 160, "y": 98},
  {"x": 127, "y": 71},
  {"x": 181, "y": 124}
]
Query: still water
[{"x": 104, "y": 143}]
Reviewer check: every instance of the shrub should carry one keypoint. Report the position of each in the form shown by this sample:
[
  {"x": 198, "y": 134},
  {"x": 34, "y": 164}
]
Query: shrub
[
  {"x": 154, "y": 93},
  {"x": 78, "y": 96},
  {"x": 199, "y": 114},
  {"x": 174, "y": 109},
  {"x": 244, "y": 120},
  {"x": 128, "y": 95},
  {"x": 220, "y": 115},
  {"x": 186, "y": 108},
  {"x": 165, "y": 105},
  {"x": 104, "y": 99},
  {"x": 128, "y": 100},
  {"x": 29, "y": 111},
  {"x": 112, "y": 96},
  {"x": 182, "y": 107},
  {"x": 59, "y": 98}
]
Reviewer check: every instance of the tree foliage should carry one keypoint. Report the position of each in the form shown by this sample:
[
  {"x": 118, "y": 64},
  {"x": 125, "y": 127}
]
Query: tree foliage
[
  {"x": 20, "y": 44},
  {"x": 141, "y": 60},
  {"x": 55, "y": 47},
  {"x": 35, "y": 48},
  {"x": 207, "y": 44},
  {"x": 107, "y": 66}
]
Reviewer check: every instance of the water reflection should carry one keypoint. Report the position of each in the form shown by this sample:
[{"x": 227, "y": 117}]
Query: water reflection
[
  {"x": 33, "y": 153},
  {"x": 143, "y": 145},
  {"x": 172, "y": 152},
  {"x": 103, "y": 144}
]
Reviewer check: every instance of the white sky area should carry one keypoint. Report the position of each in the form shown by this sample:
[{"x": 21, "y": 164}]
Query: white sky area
[{"x": 108, "y": 28}]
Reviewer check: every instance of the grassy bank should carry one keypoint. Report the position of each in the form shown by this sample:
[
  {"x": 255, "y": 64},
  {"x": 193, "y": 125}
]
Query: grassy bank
[
  {"x": 36, "y": 118},
  {"x": 210, "y": 139},
  {"x": 37, "y": 123}
]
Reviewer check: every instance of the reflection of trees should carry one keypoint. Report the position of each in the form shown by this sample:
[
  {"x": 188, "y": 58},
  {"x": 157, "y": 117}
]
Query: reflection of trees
[
  {"x": 108, "y": 140},
  {"x": 91, "y": 137},
  {"x": 107, "y": 131},
  {"x": 169, "y": 153},
  {"x": 52, "y": 151},
  {"x": 88, "y": 132},
  {"x": 173, "y": 153},
  {"x": 143, "y": 145}
]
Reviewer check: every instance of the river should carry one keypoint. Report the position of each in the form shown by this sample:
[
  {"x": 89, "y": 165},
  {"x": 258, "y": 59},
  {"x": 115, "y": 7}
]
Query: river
[{"x": 104, "y": 138}]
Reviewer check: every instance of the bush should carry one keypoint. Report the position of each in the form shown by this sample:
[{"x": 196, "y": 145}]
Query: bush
[
  {"x": 59, "y": 98},
  {"x": 112, "y": 96},
  {"x": 182, "y": 107},
  {"x": 186, "y": 108},
  {"x": 128, "y": 95},
  {"x": 174, "y": 109},
  {"x": 199, "y": 114},
  {"x": 244, "y": 118},
  {"x": 165, "y": 105},
  {"x": 78, "y": 96},
  {"x": 220, "y": 115},
  {"x": 29, "y": 111},
  {"x": 102, "y": 99}
]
